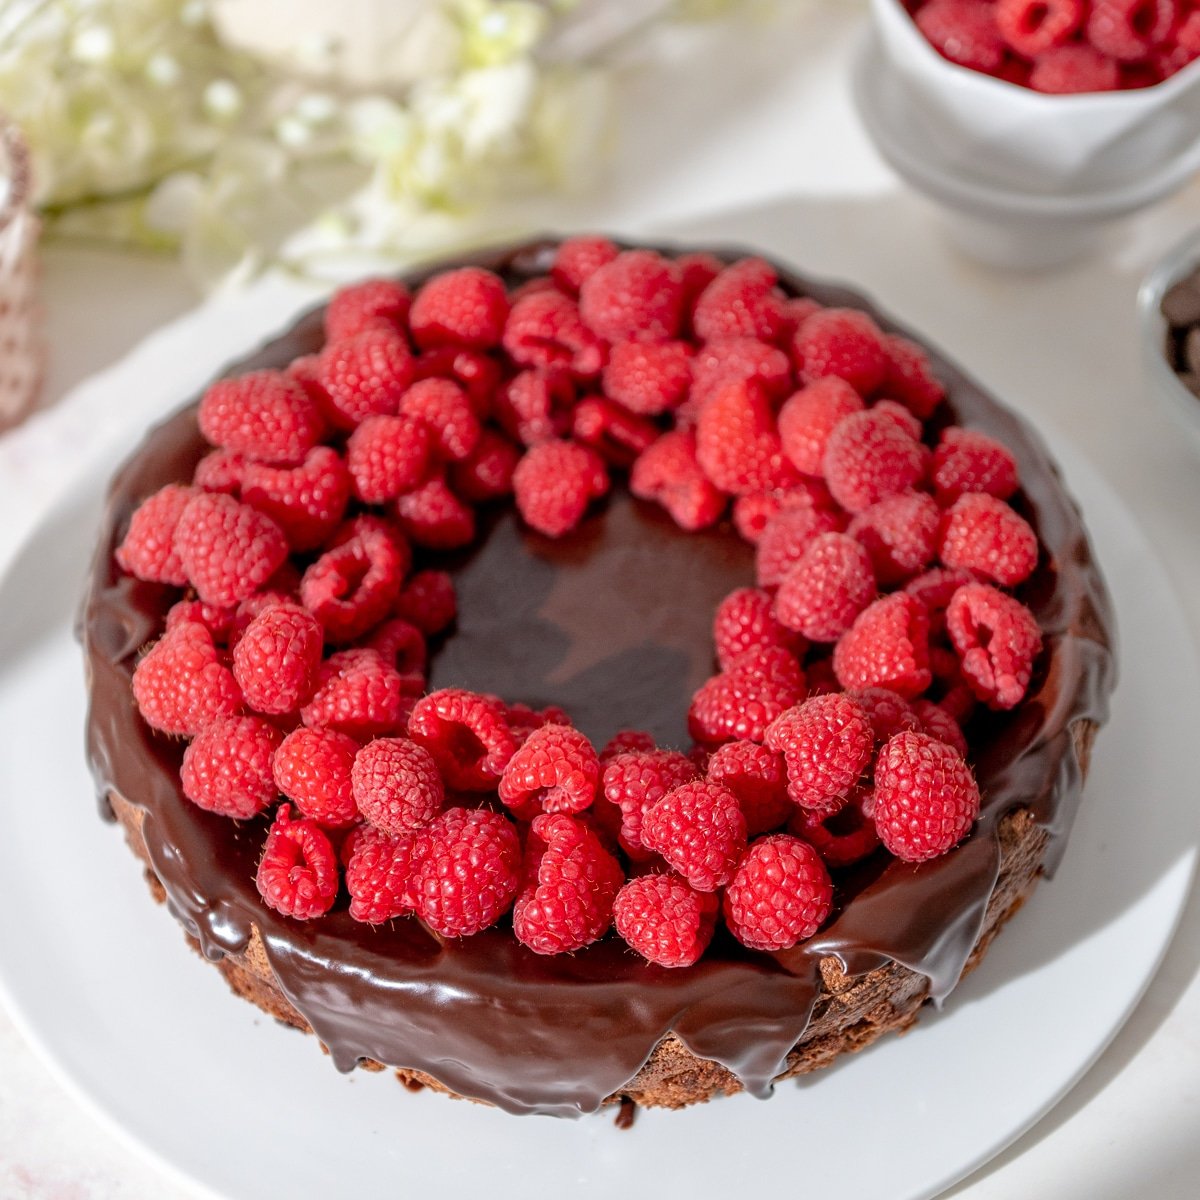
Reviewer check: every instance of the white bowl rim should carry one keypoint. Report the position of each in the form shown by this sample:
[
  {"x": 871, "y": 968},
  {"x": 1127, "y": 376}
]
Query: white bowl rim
[
  {"x": 960, "y": 192},
  {"x": 1123, "y": 98}
]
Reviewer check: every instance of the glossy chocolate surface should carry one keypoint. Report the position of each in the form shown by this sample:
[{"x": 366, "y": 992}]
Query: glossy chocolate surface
[{"x": 613, "y": 623}]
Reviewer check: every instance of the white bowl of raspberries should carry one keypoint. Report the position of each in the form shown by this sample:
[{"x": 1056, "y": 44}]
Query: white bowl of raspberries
[{"x": 1050, "y": 95}]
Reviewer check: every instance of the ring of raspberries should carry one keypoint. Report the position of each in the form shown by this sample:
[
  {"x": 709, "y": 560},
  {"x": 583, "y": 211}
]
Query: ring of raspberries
[
  {"x": 1065, "y": 46},
  {"x": 883, "y": 613}
]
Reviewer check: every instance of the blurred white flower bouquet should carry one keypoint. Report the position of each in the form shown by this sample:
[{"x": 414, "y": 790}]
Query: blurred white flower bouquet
[{"x": 151, "y": 122}]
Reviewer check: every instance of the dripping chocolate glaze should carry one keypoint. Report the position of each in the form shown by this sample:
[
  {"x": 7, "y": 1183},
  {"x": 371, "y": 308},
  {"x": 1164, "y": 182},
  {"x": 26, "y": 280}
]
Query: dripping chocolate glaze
[{"x": 487, "y": 1017}]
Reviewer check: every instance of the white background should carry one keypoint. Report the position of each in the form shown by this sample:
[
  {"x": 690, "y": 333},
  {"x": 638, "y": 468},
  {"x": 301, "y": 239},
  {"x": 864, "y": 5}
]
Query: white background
[{"x": 749, "y": 136}]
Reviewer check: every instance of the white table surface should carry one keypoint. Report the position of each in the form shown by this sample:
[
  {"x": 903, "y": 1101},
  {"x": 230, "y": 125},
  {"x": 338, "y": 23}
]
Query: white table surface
[{"x": 766, "y": 152}]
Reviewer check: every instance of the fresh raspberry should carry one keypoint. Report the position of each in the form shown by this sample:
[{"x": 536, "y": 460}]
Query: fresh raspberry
[
  {"x": 826, "y": 743},
  {"x": 1172, "y": 57},
  {"x": 578, "y": 258},
  {"x": 668, "y": 473},
  {"x": 545, "y": 330},
  {"x": 1187, "y": 36},
  {"x": 387, "y": 455},
  {"x": 464, "y": 307},
  {"x": 1075, "y": 68},
  {"x": 263, "y": 415},
  {"x": 275, "y": 660},
  {"x": 1031, "y": 27},
  {"x": 903, "y": 418},
  {"x": 844, "y": 343},
  {"x": 359, "y": 694},
  {"x": 469, "y": 873},
  {"x": 867, "y": 457},
  {"x": 741, "y": 302},
  {"x": 570, "y": 883},
  {"x": 983, "y": 534},
  {"x": 785, "y": 539},
  {"x": 811, "y": 415},
  {"x": 365, "y": 375},
  {"x": 428, "y": 601},
  {"x": 780, "y": 895},
  {"x": 934, "y": 589},
  {"x": 298, "y": 872},
  {"x": 635, "y": 780},
  {"x": 148, "y": 550},
  {"x": 648, "y": 377},
  {"x": 744, "y": 621},
  {"x": 467, "y": 734},
  {"x": 251, "y": 608},
  {"x": 842, "y": 839},
  {"x": 1129, "y": 29},
  {"x": 696, "y": 271},
  {"x": 664, "y": 919},
  {"x": 444, "y": 407},
  {"x": 626, "y": 741},
  {"x": 220, "y": 471},
  {"x": 353, "y": 310},
  {"x": 757, "y": 776},
  {"x": 940, "y": 724},
  {"x": 226, "y": 767},
  {"x": 737, "y": 443},
  {"x": 217, "y": 620},
  {"x": 312, "y": 769},
  {"x": 888, "y": 712},
  {"x": 638, "y": 296},
  {"x": 306, "y": 371},
  {"x": 616, "y": 434},
  {"x": 307, "y": 501},
  {"x": 700, "y": 831},
  {"x": 752, "y": 513},
  {"x": 553, "y": 484},
  {"x": 228, "y": 549},
  {"x": 732, "y": 360},
  {"x": 900, "y": 533},
  {"x": 400, "y": 644},
  {"x": 926, "y": 798},
  {"x": 910, "y": 378},
  {"x": 744, "y": 699},
  {"x": 474, "y": 371},
  {"x": 797, "y": 310},
  {"x": 354, "y": 584},
  {"x": 537, "y": 405},
  {"x": 381, "y": 874},
  {"x": 966, "y": 461},
  {"x": 486, "y": 473},
  {"x": 887, "y": 646},
  {"x": 181, "y": 686},
  {"x": 396, "y": 785},
  {"x": 433, "y": 516},
  {"x": 829, "y": 585},
  {"x": 522, "y": 721},
  {"x": 997, "y": 639},
  {"x": 963, "y": 31},
  {"x": 556, "y": 770}
]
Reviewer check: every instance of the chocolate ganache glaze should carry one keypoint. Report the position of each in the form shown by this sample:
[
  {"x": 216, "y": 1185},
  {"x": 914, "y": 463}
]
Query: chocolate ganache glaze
[{"x": 614, "y": 623}]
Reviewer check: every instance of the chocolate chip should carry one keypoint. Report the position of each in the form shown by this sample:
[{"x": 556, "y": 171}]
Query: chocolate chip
[{"x": 1181, "y": 304}]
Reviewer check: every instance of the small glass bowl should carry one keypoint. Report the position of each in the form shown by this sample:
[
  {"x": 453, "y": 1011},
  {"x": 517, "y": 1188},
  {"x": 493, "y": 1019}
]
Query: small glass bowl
[{"x": 1181, "y": 260}]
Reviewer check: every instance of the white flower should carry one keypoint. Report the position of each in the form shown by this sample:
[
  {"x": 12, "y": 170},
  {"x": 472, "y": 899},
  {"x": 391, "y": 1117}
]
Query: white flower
[{"x": 146, "y": 128}]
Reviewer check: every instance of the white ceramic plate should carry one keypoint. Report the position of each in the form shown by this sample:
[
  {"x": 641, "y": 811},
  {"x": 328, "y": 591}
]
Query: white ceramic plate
[{"x": 100, "y": 981}]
